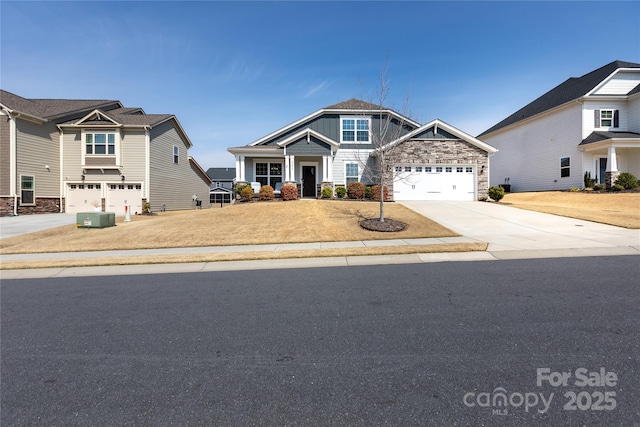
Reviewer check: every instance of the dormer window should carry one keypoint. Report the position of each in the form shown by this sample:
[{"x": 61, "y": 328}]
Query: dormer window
[
  {"x": 355, "y": 129},
  {"x": 100, "y": 143}
]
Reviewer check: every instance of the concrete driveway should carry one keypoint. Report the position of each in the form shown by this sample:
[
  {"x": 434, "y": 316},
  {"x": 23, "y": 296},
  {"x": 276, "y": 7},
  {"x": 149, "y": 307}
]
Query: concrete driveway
[
  {"x": 508, "y": 229},
  {"x": 23, "y": 224}
]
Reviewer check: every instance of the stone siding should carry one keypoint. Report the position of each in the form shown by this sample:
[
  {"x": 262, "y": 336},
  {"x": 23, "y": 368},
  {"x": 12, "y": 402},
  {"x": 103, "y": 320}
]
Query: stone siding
[{"x": 43, "y": 205}]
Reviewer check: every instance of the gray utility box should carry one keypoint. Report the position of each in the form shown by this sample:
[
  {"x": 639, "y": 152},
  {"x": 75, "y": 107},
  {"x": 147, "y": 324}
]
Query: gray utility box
[{"x": 95, "y": 219}]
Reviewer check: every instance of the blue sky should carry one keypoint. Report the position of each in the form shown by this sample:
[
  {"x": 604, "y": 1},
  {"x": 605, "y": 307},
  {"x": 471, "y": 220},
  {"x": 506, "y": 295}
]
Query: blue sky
[{"x": 233, "y": 72}]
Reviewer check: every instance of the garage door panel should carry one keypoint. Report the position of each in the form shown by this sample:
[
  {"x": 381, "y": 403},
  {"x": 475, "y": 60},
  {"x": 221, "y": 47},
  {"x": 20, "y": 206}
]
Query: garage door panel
[
  {"x": 436, "y": 183},
  {"x": 82, "y": 197},
  {"x": 121, "y": 195}
]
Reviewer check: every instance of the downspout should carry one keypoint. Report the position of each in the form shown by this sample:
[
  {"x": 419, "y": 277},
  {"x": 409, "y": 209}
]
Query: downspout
[
  {"x": 13, "y": 166},
  {"x": 147, "y": 175},
  {"x": 61, "y": 208}
]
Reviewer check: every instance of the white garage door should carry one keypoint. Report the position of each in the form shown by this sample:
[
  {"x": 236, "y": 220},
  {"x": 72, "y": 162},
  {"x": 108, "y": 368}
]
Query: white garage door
[
  {"x": 445, "y": 182},
  {"x": 121, "y": 195},
  {"x": 83, "y": 197}
]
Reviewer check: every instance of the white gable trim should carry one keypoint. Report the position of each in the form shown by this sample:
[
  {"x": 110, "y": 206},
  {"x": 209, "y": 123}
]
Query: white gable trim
[
  {"x": 437, "y": 123},
  {"x": 99, "y": 114},
  {"x": 307, "y": 132},
  {"x": 606, "y": 80}
]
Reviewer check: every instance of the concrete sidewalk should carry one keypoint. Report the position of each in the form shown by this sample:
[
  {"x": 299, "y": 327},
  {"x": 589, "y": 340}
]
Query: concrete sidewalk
[{"x": 511, "y": 234}]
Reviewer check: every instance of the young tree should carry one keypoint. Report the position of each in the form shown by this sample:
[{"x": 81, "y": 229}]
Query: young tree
[{"x": 387, "y": 126}]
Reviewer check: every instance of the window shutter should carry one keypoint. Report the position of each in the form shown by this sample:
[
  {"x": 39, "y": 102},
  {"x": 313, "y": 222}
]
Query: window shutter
[
  {"x": 616, "y": 119},
  {"x": 596, "y": 122}
]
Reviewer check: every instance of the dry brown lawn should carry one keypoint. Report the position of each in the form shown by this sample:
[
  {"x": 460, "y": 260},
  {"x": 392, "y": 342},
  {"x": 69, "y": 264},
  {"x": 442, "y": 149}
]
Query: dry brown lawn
[
  {"x": 620, "y": 209},
  {"x": 299, "y": 221}
]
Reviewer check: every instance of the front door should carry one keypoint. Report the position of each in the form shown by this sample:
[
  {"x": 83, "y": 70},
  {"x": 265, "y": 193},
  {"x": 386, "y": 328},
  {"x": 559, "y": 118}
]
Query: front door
[
  {"x": 308, "y": 181},
  {"x": 602, "y": 167}
]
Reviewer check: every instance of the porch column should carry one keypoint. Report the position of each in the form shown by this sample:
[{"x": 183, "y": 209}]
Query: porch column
[
  {"x": 325, "y": 168},
  {"x": 611, "y": 174},
  {"x": 292, "y": 168},
  {"x": 240, "y": 176},
  {"x": 286, "y": 169}
]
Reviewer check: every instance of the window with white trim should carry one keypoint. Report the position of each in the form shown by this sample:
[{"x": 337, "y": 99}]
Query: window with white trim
[
  {"x": 176, "y": 154},
  {"x": 268, "y": 173},
  {"x": 565, "y": 167},
  {"x": 606, "y": 118},
  {"x": 100, "y": 143},
  {"x": 418, "y": 168},
  {"x": 398, "y": 168},
  {"x": 27, "y": 190},
  {"x": 355, "y": 129},
  {"x": 351, "y": 173}
]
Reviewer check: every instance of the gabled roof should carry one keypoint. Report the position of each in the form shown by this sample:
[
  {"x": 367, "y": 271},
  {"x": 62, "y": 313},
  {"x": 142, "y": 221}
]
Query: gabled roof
[
  {"x": 199, "y": 170},
  {"x": 308, "y": 133},
  {"x": 439, "y": 124},
  {"x": 351, "y": 106},
  {"x": 50, "y": 109},
  {"x": 221, "y": 174},
  {"x": 572, "y": 89}
]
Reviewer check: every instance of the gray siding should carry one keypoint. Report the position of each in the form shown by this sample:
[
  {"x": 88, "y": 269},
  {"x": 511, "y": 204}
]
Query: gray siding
[
  {"x": 314, "y": 147},
  {"x": 133, "y": 155},
  {"x": 37, "y": 146},
  {"x": 171, "y": 184},
  {"x": 5, "y": 156},
  {"x": 429, "y": 134},
  {"x": 72, "y": 155},
  {"x": 327, "y": 125}
]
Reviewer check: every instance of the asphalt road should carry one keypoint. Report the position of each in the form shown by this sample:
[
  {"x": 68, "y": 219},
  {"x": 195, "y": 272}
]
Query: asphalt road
[{"x": 522, "y": 342}]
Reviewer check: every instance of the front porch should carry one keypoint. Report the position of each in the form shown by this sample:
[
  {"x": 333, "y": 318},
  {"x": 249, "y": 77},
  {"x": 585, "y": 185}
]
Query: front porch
[{"x": 606, "y": 154}]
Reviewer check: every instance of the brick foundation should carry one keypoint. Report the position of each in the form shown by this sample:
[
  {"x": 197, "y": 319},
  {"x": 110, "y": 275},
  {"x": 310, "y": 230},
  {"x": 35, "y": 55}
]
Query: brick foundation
[{"x": 43, "y": 205}]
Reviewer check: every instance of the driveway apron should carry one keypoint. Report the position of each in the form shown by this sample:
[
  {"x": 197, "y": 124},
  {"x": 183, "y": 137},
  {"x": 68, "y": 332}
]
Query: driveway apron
[{"x": 507, "y": 229}]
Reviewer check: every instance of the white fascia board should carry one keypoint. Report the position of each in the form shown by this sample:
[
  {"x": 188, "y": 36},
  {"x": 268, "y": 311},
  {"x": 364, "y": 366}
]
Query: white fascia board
[
  {"x": 332, "y": 111},
  {"x": 255, "y": 151},
  {"x": 307, "y": 132},
  {"x": 616, "y": 142},
  {"x": 450, "y": 129},
  {"x": 180, "y": 128},
  {"x": 197, "y": 165},
  {"x": 99, "y": 114}
]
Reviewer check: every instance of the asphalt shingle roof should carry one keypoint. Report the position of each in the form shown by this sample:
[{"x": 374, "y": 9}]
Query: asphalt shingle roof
[
  {"x": 573, "y": 88},
  {"x": 219, "y": 174},
  {"x": 602, "y": 136},
  {"x": 355, "y": 104}
]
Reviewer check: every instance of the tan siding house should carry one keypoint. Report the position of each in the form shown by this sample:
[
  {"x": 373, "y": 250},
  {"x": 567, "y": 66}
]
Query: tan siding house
[{"x": 77, "y": 155}]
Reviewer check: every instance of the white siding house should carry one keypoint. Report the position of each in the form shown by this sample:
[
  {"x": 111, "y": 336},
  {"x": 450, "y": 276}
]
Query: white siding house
[{"x": 586, "y": 124}]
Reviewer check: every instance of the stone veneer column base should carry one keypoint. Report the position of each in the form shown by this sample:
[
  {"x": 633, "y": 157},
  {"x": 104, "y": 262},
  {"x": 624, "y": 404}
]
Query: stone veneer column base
[{"x": 610, "y": 178}]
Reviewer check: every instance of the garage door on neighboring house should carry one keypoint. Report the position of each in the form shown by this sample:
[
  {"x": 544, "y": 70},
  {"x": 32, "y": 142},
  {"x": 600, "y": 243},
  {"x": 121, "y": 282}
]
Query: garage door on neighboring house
[
  {"x": 429, "y": 182},
  {"x": 83, "y": 197},
  {"x": 121, "y": 195}
]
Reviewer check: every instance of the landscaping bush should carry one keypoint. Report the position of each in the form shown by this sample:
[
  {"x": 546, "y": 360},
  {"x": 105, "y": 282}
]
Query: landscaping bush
[
  {"x": 241, "y": 187},
  {"x": 588, "y": 182},
  {"x": 367, "y": 192},
  {"x": 246, "y": 194},
  {"x": 496, "y": 193},
  {"x": 355, "y": 190},
  {"x": 266, "y": 193},
  {"x": 599, "y": 187},
  {"x": 341, "y": 192},
  {"x": 574, "y": 189},
  {"x": 327, "y": 193},
  {"x": 627, "y": 180},
  {"x": 617, "y": 187},
  {"x": 375, "y": 193},
  {"x": 146, "y": 208},
  {"x": 289, "y": 192}
]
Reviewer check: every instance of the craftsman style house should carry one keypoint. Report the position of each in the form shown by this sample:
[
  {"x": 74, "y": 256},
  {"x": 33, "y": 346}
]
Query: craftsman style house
[
  {"x": 337, "y": 145},
  {"x": 61, "y": 155},
  {"x": 586, "y": 124}
]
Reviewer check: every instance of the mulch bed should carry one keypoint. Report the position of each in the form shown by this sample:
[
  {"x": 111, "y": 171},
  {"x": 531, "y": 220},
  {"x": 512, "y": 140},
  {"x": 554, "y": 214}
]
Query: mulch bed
[{"x": 389, "y": 225}]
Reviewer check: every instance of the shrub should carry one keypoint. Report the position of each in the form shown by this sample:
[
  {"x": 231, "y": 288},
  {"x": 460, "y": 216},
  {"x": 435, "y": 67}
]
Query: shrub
[
  {"x": 375, "y": 193},
  {"x": 627, "y": 180},
  {"x": 246, "y": 194},
  {"x": 355, "y": 190},
  {"x": 599, "y": 187},
  {"x": 367, "y": 192},
  {"x": 496, "y": 193},
  {"x": 266, "y": 192},
  {"x": 574, "y": 189},
  {"x": 289, "y": 192},
  {"x": 588, "y": 182},
  {"x": 327, "y": 193},
  {"x": 146, "y": 208},
  {"x": 341, "y": 192},
  {"x": 241, "y": 187},
  {"x": 617, "y": 187}
]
